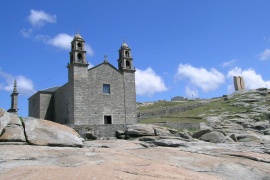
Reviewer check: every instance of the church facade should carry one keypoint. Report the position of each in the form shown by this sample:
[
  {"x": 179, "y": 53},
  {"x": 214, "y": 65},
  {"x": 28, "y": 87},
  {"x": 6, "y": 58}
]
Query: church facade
[{"x": 102, "y": 94}]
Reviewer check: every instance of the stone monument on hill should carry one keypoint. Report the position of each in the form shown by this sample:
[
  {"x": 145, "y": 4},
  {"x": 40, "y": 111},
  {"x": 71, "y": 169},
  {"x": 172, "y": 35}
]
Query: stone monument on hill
[
  {"x": 14, "y": 99},
  {"x": 239, "y": 83}
]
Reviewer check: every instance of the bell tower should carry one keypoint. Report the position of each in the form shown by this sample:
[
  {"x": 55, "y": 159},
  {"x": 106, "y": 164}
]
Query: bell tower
[
  {"x": 125, "y": 61},
  {"x": 77, "y": 81},
  {"x": 125, "y": 65},
  {"x": 78, "y": 53}
]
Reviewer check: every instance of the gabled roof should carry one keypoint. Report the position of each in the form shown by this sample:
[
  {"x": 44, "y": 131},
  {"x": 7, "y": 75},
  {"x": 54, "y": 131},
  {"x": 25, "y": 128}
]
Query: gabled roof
[
  {"x": 50, "y": 90},
  {"x": 106, "y": 63}
]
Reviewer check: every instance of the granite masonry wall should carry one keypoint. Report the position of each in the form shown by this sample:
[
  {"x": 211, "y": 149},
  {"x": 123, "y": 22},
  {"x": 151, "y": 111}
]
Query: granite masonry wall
[
  {"x": 41, "y": 105},
  {"x": 61, "y": 105},
  {"x": 46, "y": 105},
  {"x": 33, "y": 105},
  {"x": 79, "y": 87},
  {"x": 130, "y": 97},
  {"x": 105, "y": 130},
  {"x": 109, "y": 104}
]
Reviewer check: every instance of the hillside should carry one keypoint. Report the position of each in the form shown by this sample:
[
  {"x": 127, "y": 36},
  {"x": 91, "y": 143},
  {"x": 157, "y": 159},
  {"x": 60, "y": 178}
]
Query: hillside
[{"x": 252, "y": 105}]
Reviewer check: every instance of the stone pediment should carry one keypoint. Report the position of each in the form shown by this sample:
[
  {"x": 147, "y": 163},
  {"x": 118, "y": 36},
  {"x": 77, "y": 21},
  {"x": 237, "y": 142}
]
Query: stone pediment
[{"x": 105, "y": 63}]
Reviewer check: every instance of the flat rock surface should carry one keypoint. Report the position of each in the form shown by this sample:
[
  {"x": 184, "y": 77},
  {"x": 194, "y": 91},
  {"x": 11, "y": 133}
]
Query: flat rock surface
[
  {"x": 121, "y": 159},
  {"x": 47, "y": 133}
]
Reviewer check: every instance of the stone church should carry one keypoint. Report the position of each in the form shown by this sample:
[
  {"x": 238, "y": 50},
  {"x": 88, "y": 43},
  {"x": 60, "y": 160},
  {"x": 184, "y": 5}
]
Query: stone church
[{"x": 102, "y": 94}]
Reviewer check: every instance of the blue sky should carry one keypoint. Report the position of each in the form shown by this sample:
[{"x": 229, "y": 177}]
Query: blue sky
[{"x": 186, "y": 48}]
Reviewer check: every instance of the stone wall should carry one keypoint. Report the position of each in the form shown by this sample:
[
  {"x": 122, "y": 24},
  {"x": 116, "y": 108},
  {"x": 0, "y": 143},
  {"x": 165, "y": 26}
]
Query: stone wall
[
  {"x": 130, "y": 97},
  {"x": 78, "y": 86},
  {"x": 41, "y": 105},
  {"x": 34, "y": 105},
  {"x": 105, "y": 130},
  {"x": 166, "y": 110},
  {"x": 46, "y": 106},
  {"x": 61, "y": 105},
  {"x": 193, "y": 126},
  {"x": 114, "y": 103}
]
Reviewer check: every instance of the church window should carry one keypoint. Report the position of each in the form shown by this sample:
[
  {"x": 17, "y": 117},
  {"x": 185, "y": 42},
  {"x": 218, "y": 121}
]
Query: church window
[
  {"x": 79, "y": 56},
  {"x": 79, "y": 46},
  {"x": 107, "y": 119},
  {"x": 106, "y": 89},
  {"x": 126, "y": 53},
  {"x": 128, "y": 64}
]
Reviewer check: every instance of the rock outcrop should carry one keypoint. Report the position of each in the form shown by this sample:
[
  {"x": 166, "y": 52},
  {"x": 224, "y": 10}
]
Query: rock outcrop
[
  {"x": 13, "y": 130},
  {"x": 47, "y": 133},
  {"x": 4, "y": 119},
  {"x": 214, "y": 137},
  {"x": 36, "y": 132},
  {"x": 122, "y": 159},
  {"x": 137, "y": 130}
]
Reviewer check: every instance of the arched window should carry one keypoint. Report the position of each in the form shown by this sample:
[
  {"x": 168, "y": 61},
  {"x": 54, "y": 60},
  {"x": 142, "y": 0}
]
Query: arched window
[
  {"x": 79, "y": 56},
  {"x": 126, "y": 53},
  {"x": 79, "y": 46},
  {"x": 128, "y": 64}
]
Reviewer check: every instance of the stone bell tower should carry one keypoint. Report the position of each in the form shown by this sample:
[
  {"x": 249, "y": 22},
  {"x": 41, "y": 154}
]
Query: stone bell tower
[
  {"x": 77, "y": 81},
  {"x": 125, "y": 61},
  {"x": 125, "y": 65},
  {"x": 78, "y": 53},
  {"x": 14, "y": 99}
]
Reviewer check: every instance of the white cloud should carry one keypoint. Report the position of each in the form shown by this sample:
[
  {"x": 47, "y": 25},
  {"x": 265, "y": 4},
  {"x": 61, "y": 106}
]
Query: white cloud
[
  {"x": 192, "y": 93},
  {"x": 207, "y": 80},
  {"x": 61, "y": 41},
  {"x": 89, "y": 50},
  {"x": 251, "y": 78},
  {"x": 26, "y": 32},
  {"x": 229, "y": 63},
  {"x": 39, "y": 18},
  {"x": 24, "y": 85},
  {"x": 265, "y": 55},
  {"x": 43, "y": 38},
  {"x": 148, "y": 82}
]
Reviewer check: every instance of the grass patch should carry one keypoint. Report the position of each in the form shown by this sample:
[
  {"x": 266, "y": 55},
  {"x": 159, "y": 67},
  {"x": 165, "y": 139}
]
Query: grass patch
[
  {"x": 165, "y": 104},
  {"x": 172, "y": 119},
  {"x": 214, "y": 107},
  {"x": 217, "y": 106}
]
